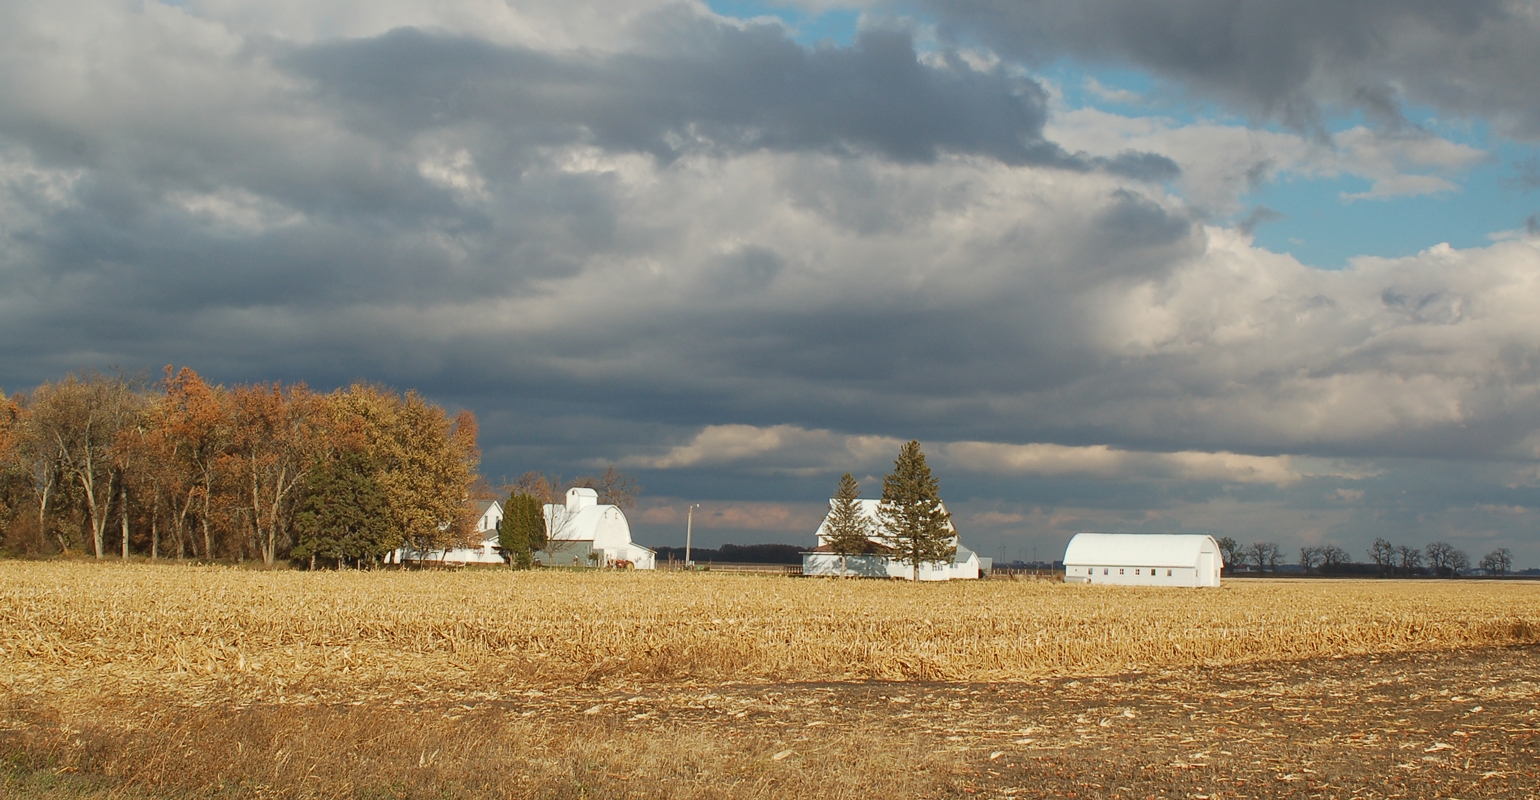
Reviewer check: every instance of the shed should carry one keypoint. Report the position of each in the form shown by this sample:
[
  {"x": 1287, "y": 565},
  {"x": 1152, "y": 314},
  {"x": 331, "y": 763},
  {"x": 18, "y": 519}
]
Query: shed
[{"x": 1143, "y": 559}]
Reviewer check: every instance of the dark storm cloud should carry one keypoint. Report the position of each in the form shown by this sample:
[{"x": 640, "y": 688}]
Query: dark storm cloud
[
  {"x": 1290, "y": 60},
  {"x": 711, "y": 88}
]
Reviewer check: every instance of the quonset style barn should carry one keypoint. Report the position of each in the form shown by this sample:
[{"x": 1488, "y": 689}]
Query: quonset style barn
[{"x": 1143, "y": 559}]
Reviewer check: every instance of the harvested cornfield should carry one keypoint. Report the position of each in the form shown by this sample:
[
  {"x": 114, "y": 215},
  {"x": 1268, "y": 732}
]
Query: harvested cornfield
[{"x": 206, "y": 633}]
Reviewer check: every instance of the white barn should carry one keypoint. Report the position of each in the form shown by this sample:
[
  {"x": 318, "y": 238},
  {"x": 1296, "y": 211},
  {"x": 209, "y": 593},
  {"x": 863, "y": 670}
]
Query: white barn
[
  {"x": 1143, "y": 559},
  {"x": 583, "y": 533},
  {"x": 822, "y": 561}
]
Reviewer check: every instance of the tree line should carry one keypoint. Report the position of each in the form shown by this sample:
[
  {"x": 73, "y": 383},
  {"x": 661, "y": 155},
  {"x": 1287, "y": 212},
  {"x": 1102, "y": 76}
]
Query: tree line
[
  {"x": 1385, "y": 558},
  {"x": 108, "y": 464}
]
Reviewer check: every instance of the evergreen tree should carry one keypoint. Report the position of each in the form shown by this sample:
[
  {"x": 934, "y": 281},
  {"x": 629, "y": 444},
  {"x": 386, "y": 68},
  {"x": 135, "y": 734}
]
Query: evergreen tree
[
  {"x": 344, "y": 516},
  {"x": 913, "y": 521},
  {"x": 848, "y": 533},
  {"x": 522, "y": 530}
]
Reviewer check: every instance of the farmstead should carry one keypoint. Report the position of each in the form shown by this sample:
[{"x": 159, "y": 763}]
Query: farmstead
[{"x": 879, "y": 562}]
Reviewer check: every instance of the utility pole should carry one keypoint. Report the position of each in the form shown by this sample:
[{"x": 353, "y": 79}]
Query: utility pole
[{"x": 689, "y": 525}]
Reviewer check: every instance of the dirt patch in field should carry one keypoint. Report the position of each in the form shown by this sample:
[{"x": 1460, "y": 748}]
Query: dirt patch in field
[{"x": 1455, "y": 724}]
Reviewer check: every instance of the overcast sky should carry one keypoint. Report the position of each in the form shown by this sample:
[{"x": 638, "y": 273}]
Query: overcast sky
[{"x": 1268, "y": 269}]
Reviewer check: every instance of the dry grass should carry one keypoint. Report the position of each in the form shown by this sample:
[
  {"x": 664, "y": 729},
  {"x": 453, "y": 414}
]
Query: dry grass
[
  {"x": 215, "y": 634},
  {"x": 140, "y": 680}
]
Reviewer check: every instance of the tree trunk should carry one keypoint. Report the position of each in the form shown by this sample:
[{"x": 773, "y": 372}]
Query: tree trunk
[{"x": 123, "y": 500}]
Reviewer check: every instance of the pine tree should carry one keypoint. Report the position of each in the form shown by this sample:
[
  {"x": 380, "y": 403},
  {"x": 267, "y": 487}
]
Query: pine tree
[
  {"x": 848, "y": 533},
  {"x": 913, "y": 521},
  {"x": 344, "y": 516},
  {"x": 522, "y": 530}
]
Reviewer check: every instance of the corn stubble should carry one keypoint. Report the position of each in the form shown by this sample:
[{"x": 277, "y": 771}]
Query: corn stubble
[
  {"x": 209, "y": 633},
  {"x": 142, "y": 680}
]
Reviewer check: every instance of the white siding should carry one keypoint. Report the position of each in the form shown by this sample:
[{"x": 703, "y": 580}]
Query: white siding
[{"x": 1143, "y": 559}]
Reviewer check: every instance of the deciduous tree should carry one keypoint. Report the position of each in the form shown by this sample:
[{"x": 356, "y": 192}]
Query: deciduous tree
[
  {"x": 1383, "y": 554},
  {"x": 1231, "y": 552},
  {"x": 82, "y": 417},
  {"x": 914, "y": 523},
  {"x": 1497, "y": 562}
]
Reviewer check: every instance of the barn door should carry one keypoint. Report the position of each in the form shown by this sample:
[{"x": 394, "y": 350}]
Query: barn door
[{"x": 1205, "y": 576}]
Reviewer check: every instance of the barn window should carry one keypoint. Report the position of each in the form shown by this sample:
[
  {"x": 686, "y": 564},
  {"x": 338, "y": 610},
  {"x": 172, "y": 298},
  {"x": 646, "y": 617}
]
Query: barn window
[
  {"x": 1120, "y": 570},
  {"x": 1168, "y": 573},
  {"x": 1136, "y": 571}
]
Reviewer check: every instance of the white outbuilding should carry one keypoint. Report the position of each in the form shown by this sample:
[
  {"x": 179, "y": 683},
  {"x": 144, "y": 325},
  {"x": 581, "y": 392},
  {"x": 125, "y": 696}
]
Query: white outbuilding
[
  {"x": 584, "y": 533},
  {"x": 482, "y": 550},
  {"x": 1143, "y": 559}
]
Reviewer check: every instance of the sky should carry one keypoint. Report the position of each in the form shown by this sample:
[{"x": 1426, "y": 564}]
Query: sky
[{"x": 1263, "y": 269}]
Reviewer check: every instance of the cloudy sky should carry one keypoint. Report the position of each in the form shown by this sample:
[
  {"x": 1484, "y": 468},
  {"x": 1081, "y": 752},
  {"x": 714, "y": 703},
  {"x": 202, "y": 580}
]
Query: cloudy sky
[{"x": 1265, "y": 268}]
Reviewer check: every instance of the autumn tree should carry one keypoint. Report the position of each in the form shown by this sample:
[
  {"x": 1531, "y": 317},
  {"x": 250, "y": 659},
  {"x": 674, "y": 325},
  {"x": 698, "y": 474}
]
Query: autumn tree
[
  {"x": 198, "y": 433},
  {"x": 276, "y": 434},
  {"x": 914, "y": 522},
  {"x": 425, "y": 462},
  {"x": 13, "y": 477},
  {"x": 849, "y": 531},
  {"x": 82, "y": 418}
]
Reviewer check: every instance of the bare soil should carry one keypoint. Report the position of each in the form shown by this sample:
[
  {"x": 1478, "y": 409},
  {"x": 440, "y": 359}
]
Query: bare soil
[{"x": 1451, "y": 724}]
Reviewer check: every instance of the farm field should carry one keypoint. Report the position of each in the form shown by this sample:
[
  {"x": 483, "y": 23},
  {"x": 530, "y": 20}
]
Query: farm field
[{"x": 144, "y": 680}]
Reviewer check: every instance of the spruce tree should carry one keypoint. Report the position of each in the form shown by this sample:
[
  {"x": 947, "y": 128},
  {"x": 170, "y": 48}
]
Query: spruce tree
[
  {"x": 914, "y": 523},
  {"x": 522, "y": 530},
  {"x": 344, "y": 515},
  {"x": 848, "y": 533}
]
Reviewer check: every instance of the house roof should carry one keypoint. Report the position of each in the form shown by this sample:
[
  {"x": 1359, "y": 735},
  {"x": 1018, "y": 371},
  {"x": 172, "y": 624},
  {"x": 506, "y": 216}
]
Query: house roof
[{"x": 1139, "y": 549}]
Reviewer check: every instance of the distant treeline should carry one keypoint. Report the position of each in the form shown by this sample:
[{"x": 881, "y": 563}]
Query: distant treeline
[
  {"x": 111, "y": 465},
  {"x": 737, "y": 554}
]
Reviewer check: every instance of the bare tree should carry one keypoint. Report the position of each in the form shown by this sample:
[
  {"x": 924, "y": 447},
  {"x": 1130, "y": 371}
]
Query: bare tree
[
  {"x": 1497, "y": 562},
  {"x": 1309, "y": 557},
  {"x": 1231, "y": 552},
  {"x": 615, "y": 488},
  {"x": 1383, "y": 553},
  {"x": 1409, "y": 558},
  {"x": 1459, "y": 562},
  {"x": 1265, "y": 555},
  {"x": 1438, "y": 554},
  {"x": 1333, "y": 557}
]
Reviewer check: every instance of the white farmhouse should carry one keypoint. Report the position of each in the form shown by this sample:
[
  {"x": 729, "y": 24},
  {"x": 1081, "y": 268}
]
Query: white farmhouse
[
  {"x": 583, "y": 533},
  {"x": 1143, "y": 559},
  {"x": 881, "y": 564},
  {"x": 483, "y": 552}
]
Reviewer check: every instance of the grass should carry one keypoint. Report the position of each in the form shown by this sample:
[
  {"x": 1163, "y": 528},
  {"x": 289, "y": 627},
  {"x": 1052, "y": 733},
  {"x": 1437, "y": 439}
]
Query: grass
[{"x": 220, "y": 681}]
